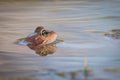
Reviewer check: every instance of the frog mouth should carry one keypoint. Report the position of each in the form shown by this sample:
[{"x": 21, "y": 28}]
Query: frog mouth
[{"x": 51, "y": 37}]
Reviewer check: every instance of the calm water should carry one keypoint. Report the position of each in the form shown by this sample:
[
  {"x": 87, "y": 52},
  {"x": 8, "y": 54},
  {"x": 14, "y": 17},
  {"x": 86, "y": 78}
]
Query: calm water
[{"x": 74, "y": 22}]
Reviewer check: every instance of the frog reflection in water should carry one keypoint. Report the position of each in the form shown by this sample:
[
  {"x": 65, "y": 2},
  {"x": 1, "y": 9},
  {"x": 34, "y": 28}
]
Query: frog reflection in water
[{"x": 42, "y": 41}]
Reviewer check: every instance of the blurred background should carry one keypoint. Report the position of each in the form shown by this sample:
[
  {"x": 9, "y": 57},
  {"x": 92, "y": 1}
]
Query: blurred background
[{"x": 85, "y": 54}]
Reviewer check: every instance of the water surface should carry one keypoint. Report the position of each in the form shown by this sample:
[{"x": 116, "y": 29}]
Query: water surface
[{"x": 73, "y": 21}]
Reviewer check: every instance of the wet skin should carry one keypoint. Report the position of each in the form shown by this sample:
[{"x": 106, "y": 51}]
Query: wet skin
[
  {"x": 42, "y": 42},
  {"x": 42, "y": 37}
]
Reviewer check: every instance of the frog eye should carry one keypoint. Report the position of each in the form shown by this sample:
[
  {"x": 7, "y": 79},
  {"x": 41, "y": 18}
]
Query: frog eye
[
  {"x": 44, "y": 33},
  {"x": 39, "y": 29}
]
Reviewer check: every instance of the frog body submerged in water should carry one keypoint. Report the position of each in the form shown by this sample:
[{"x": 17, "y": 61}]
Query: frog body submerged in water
[{"x": 41, "y": 41}]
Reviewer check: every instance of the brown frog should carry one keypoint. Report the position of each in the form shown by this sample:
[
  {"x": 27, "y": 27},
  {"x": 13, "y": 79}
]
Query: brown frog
[
  {"x": 42, "y": 41},
  {"x": 41, "y": 37}
]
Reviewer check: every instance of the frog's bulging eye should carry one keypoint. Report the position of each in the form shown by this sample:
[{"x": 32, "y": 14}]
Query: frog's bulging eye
[
  {"x": 39, "y": 29},
  {"x": 44, "y": 33}
]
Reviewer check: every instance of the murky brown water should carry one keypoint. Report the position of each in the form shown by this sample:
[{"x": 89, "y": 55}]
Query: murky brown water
[{"x": 73, "y": 21}]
